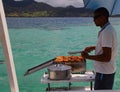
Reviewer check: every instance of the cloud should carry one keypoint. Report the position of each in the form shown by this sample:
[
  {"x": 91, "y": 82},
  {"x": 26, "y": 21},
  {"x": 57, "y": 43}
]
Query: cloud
[{"x": 63, "y": 3}]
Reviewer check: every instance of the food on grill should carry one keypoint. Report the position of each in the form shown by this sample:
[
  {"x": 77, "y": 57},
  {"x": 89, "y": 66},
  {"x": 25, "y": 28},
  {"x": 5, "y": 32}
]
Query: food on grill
[{"x": 69, "y": 59}]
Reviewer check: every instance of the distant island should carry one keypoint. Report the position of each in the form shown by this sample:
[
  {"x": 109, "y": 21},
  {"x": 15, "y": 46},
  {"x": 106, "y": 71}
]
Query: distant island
[{"x": 31, "y": 8}]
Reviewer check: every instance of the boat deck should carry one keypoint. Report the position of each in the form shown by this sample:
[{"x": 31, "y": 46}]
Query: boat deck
[{"x": 89, "y": 91}]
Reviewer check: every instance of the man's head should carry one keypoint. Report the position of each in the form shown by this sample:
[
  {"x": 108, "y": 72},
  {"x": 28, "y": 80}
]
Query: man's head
[{"x": 101, "y": 16}]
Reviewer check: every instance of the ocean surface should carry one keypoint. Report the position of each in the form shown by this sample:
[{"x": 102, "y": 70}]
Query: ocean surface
[{"x": 37, "y": 40}]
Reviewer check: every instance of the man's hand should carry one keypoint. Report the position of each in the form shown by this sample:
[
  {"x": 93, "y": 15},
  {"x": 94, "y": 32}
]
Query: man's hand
[
  {"x": 84, "y": 54},
  {"x": 89, "y": 49}
]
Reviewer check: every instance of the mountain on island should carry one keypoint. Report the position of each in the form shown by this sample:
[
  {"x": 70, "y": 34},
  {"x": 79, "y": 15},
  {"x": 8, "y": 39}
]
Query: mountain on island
[{"x": 31, "y": 8}]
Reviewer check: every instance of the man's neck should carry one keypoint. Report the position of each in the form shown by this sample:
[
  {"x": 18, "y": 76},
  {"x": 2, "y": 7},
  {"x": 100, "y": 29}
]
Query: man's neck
[{"x": 104, "y": 24}]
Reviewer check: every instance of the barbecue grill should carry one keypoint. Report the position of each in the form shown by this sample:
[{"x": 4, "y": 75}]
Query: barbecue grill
[{"x": 76, "y": 67}]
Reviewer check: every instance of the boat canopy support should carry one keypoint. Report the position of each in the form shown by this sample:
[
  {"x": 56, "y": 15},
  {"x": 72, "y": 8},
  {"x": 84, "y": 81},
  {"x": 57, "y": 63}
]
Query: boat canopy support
[{"x": 6, "y": 46}]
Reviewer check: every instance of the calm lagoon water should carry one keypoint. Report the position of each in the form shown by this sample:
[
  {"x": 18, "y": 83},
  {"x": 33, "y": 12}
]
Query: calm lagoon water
[{"x": 36, "y": 40}]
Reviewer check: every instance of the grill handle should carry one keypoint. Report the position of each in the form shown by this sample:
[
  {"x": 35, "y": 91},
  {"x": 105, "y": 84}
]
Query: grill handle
[{"x": 38, "y": 67}]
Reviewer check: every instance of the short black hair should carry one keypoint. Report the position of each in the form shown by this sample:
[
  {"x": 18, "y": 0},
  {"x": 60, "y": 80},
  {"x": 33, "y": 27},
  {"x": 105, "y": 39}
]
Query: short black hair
[{"x": 102, "y": 11}]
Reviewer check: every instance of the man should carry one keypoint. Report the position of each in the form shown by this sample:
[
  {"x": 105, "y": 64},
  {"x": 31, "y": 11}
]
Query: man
[{"x": 105, "y": 51}]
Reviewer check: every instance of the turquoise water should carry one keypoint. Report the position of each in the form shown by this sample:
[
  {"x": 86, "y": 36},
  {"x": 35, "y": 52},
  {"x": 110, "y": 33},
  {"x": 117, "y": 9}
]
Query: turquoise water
[{"x": 36, "y": 40}]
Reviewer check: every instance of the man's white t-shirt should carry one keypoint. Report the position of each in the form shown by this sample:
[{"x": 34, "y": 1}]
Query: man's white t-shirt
[{"x": 107, "y": 38}]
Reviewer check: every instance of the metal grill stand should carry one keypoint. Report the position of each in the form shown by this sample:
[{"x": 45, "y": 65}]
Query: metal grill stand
[{"x": 87, "y": 77}]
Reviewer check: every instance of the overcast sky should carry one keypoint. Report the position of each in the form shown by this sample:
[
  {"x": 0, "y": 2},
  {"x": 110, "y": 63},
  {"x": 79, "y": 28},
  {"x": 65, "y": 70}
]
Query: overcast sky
[{"x": 63, "y": 3}]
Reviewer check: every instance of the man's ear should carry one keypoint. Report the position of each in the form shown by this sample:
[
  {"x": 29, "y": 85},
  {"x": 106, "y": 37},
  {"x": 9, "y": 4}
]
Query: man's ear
[{"x": 103, "y": 18}]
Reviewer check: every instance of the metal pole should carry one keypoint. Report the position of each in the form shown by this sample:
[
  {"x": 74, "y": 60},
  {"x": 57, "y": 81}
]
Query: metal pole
[{"x": 4, "y": 38}]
